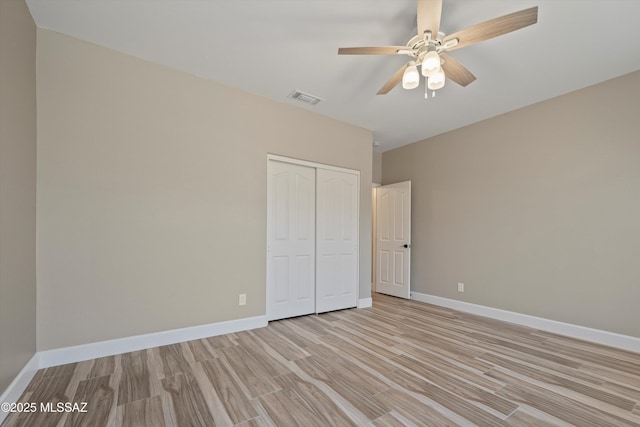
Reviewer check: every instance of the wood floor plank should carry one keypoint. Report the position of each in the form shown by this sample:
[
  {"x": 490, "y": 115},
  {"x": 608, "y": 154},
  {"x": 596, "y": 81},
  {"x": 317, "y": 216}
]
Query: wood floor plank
[
  {"x": 50, "y": 389},
  {"x": 236, "y": 403},
  {"x": 341, "y": 366},
  {"x": 357, "y": 396},
  {"x": 387, "y": 420},
  {"x": 575, "y": 343},
  {"x": 608, "y": 374},
  {"x": 492, "y": 343},
  {"x": 330, "y": 317},
  {"x": 134, "y": 382},
  {"x": 249, "y": 370},
  {"x": 371, "y": 344},
  {"x": 314, "y": 325},
  {"x": 201, "y": 350},
  {"x": 100, "y": 400},
  {"x": 319, "y": 403},
  {"x": 520, "y": 418},
  {"x": 286, "y": 409},
  {"x": 465, "y": 354},
  {"x": 372, "y": 334},
  {"x": 399, "y": 362},
  {"x": 371, "y": 319},
  {"x": 297, "y": 335},
  {"x": 221, "y": 341},
  {"x": 551, "y": 367},
  {"x": 594, "y": 357},
  {"x": 592, "y": 390},
  {"x": 464, "y": 368},
  {"x": 252, "y": 345},
  {"x": 280, "y": 344},
  {"x": 189, "y": 404},
  {"x": 509, "y": 331},
  {"x": 415, "y": 411},
  {"x": 54, "y": 371},
  {"x": 103, "y": 366},
  {"x": 144, "y": 413},
  {"x": 622, "y": 390},
  {"x": 558, "y": 405},
  {"x": 173, "y": 359},
  {"x": 211, "y": 397},
  {"x": 465, "y": 389},
  {"x": 446, "y": 398},
  {"x": 254, "y": 422},
  {"x": 442, "y": 327},
  {"x": 378, "y": 363}
]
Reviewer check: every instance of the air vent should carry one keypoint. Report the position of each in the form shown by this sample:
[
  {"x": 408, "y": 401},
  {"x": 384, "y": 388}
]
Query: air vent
[{"x": 307, "y": 98}]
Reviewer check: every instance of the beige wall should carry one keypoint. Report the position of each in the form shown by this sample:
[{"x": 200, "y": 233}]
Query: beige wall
[
  {"x": 152, "y": 193},
  {"x": 537, "y": 211},
  {"x": 17, "y": 189}
]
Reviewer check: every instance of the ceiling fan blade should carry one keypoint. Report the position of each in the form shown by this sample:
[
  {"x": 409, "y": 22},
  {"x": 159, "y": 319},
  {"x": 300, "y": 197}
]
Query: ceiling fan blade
[
  {"x": 378, "y": 50},
  {"x": 494, "y": 27},
  {"x": 393, "y": 81},
  {"x": 429, "y": 12},
  {"x": 456, "y": 71}
]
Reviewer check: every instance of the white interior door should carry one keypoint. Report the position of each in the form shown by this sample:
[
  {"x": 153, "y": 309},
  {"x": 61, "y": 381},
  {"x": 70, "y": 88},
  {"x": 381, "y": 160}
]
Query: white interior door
[
  {"x": 337, "y": 240},
  {"x": 393, "y": 239},
  {"x": 290, "y": 240}
]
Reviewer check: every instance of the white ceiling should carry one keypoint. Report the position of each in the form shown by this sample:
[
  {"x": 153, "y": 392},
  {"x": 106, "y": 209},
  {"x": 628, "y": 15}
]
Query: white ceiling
[{"x": 271, "y": 47}]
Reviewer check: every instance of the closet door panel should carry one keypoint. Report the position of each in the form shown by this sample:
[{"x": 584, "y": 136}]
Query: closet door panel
[
  {"x": 337, "y": 240},
  {"x": 291, "y": 256}
]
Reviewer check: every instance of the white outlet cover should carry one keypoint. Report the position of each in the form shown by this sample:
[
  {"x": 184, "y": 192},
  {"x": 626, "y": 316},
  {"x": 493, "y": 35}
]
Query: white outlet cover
[{"x": 460, "y": 287}]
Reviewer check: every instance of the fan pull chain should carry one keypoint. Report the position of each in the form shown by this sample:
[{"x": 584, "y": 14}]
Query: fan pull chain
[{"x": 426, "y": 90}]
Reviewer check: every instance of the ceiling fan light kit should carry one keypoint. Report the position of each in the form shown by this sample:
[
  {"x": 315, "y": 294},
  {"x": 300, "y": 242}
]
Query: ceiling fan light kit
[{"x": 429, "y": 52}]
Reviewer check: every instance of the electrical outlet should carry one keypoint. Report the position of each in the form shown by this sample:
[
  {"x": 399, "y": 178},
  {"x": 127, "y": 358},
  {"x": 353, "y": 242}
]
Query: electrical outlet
[
  {"x": 242, "y": 299},
  {"x": 460, "y": 287}
]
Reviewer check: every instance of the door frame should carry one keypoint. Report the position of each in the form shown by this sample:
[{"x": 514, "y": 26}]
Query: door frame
[
  {"x": 374, "y": 233},
  {"x": 316, "y": 165}
]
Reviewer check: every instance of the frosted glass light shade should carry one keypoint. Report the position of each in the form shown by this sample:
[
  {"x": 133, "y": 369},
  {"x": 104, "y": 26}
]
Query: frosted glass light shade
[
  {"x": 411, "y": 77},
  {"x": 436, "y": 81},
  {"x": 430, "y": 63}
]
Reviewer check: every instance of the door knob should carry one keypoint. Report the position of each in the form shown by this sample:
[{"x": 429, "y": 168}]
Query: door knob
[{"x": 405, "y": 246}]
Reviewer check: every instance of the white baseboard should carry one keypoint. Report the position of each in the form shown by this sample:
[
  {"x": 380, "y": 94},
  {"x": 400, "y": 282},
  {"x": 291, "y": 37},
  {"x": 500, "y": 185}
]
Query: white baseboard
[
  {"x": 612, "y": 339},
  {"x": 61, "y": 356},
  {"x": 19, "y": 384},
  {"x": 365, "y": 302},
  {"x": 78, "y": 353}
]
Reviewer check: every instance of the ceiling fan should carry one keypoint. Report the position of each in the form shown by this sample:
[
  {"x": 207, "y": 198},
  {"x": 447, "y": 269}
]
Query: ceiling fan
[{"x": 428, "y": 48}]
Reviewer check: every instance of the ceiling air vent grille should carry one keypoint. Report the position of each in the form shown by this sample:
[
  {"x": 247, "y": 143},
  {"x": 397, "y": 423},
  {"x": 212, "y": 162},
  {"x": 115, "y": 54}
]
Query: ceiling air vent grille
[{"x": 307, "y": 98}]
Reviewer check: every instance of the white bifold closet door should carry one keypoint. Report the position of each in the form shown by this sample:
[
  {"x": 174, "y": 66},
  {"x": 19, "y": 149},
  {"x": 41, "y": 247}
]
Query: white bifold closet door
[
  {"x": 312, "y": 239},
  {"x": 337, "y": 240}
]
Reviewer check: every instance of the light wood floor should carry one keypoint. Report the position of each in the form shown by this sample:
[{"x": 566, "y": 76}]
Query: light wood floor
[{"x": 398, "y": 363}]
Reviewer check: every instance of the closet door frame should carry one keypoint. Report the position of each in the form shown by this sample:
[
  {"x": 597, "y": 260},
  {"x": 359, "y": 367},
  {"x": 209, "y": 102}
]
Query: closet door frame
[{"x": 315, "y": 165}]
